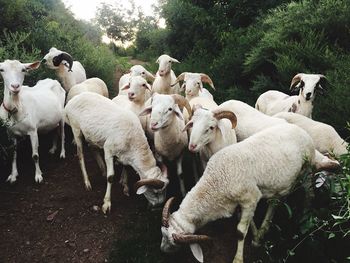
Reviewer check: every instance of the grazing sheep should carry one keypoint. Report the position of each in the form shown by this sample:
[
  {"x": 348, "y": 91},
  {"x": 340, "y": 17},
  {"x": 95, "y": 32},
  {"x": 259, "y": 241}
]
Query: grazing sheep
[
  {"x": 119, "y": 133},
  {"x": 210, "y": 132},
  {"x": 136, "y": 70},
  {"x": 93, "y": 85},
  {"x": 68, "y": 71},
  {"x": 193, "y": 85},
  {"x": 266, "y": 165},
  {"x": 273, "y": 101},
  {"x": 30, "y": 110},
  {"x": 325, "y": 137},
  {"x": 167, "y": 123},
  {"x": 165, "y": 76},
  {"x": 135, "y": 100}
]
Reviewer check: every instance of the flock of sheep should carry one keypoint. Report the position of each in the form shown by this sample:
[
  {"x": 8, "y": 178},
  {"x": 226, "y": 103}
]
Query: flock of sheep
[{"x": 247, "y": 153}]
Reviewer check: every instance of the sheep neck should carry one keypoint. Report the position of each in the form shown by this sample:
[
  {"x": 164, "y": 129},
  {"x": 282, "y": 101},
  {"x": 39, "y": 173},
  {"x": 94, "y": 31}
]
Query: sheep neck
[
  {"x": 305, "y": 106},
  {"x": 10, "y": 104}
]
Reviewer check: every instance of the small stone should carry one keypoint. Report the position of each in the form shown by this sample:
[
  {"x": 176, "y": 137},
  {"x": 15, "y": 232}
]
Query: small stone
[
  {"x": 86, "y": 250},
  {"x": 28, "y": 243}
]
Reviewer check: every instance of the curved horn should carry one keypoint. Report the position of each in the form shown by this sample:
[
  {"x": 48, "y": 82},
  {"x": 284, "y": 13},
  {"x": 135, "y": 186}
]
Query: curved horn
[
  {"x": 179, "y": 78},
  {"x": 63, "y": 56},
  {"x": 227, "y": 115},
  {"x": 182, "y": 102},
  {"x": 166, "y": 212},
  {"x": 205, "y": 78},
  {"x": 296, "y": 79},
  {"x": 155, "y": 183},
  {"x": 189, "y": 239},
  {"x": 196, "y": 107}
]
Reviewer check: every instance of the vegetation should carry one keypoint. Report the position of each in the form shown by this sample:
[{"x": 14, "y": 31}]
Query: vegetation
[{"x": 247, "y": 47}]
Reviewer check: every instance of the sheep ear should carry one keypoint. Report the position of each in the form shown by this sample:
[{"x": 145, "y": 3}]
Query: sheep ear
[
  {"x": 175, "y": 60},
  {"x": 32, "y": 66},
  {"x": 146, "y": 111},
  {"x": 126, "y": 86},
  {"x": 148, "y": 86},
  {"x": 295, "y": 81},
  {"x": 178, "y": 113},
  {"x": 157, "y": 61},
  {"x": 222, "y": 128},
  {"x": 201, "y": 87},
  {"x": 141, "y": 190},
  {"x": 188, "y": 126},
  {"x": 150, "y": 76},
  {"x": 197, "y": 252}
]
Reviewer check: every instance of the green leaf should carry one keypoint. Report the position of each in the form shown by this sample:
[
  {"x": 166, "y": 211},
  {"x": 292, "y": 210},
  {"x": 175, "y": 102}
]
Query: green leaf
[
  {"x": 331, "y": 235},
  {"x": 289, "y": 210}
]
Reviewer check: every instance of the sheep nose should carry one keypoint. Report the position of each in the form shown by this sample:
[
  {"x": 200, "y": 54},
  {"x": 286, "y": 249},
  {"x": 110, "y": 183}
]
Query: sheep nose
[
  {"x": 15, "y": 86},
  {"x": 308, "y": 95},
  {"x": 192, "y": 147},
  {"x": 131, "y": 95}
]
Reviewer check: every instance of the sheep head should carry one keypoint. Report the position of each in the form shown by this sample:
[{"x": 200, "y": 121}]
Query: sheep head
[
  {"x": 55, "y": 57},
  {"x": 307, "y": 85},
  {"x": 171, "y": 240},
  {"x": 165, "y": 63}
]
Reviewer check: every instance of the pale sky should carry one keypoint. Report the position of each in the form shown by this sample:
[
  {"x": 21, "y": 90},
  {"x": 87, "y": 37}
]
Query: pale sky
[{"x": 85, "y": 9}]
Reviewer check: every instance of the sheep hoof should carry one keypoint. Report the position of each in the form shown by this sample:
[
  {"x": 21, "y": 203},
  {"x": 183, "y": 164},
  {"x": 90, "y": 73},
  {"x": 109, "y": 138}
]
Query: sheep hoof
[
  {"x": 38, "y": 178},
  {"x": 52, "y": 150},
  {"x": 126, "y": 191},
  {"x": 63, "y": 155},
  {"x": 12, "y": 178},
  {"x": 106, "y": 207},
  {"x": 88, "y": 186}
]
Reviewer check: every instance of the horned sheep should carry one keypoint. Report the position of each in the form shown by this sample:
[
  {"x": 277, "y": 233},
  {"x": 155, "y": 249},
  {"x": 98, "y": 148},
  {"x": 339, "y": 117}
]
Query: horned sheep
[
  {"x": 266, "y": 165},
  {"x": 68, "y": 71},
  {"x": 119, "y": 133},
  {"x": 93, "y": 85},
  {"x": 273, "y": 101}
]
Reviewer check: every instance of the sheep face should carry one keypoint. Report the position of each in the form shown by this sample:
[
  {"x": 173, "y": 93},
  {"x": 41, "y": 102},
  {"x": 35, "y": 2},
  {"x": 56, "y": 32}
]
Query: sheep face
[
  {"x": 13, "y": 73},
  {"x": 163, "y": 111},
  {"x": 136, "y": 88},
  {"x": 204, "y": 127},
  {"x": 192, "y": 84},
  {"x": 54, "y": 58},
  {"x": 139, "y": 70},
  {"x": 308, "y": 84},
  {"x": 155, "y": 195},
  {"x": 168, "y": 245},
  {"x": 165, "y": 63}
]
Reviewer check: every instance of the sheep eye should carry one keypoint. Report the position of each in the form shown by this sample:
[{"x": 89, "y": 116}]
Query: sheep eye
[
  {"x": 198, "y": 83},
  {"x": 143, "y": 73},
  {"x": 24, "y": 70},
  {"x": 1, "y": 70},
  {"x": 302, "y": 84},
  {"x": 169, "y": 61},
  {"x": 143, "y": 85},
  {"x": 211, "y": 127},
  {"x": 170, "y": 109}
]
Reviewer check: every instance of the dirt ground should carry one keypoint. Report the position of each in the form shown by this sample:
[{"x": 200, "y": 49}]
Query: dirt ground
[{"x": 59, "y": 221}]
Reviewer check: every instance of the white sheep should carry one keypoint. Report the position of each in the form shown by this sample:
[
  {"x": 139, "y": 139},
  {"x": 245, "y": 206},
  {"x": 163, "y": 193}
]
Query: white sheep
[
  {"x": 251, "y": 121},
  {"x": 165, "y": 77},
  {"x": 210, "y": 132},
  {"x": 93, "y": 85},
  {"x": 68, "y": 71},
  {"x": 266, "y": 165},
  {"x": 30, "y": 110},
  {"x": 136, "y": 70},
  {"x": 325, "y": 137},
  {"x": 119, "y": 133},
  {"x": 193, "y": 85},
  {"x": 273, "y": 101},
  {"x": 167, "y": 123},
  {"x": 136, "y": 88}
]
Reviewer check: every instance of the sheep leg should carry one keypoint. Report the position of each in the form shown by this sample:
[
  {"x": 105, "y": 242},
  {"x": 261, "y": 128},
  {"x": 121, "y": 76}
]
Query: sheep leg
[
  {"x": 242, "y": 229},
  {"x": 100, "y": 162},
  {"x": 78, "y": 140},
  {"x": 54, "y": 143},
  {"x": 63, "y": 150},
  {"x": 14, "y": 173},
  {"x": 35, "y": 155},
  {"x": 124, "y": 181},
  {"x": 180, "y": 176},
  {"x": 106, "y": 207},
  {"x": 258, "y": 235}
]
